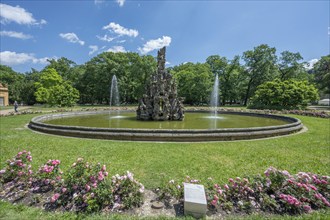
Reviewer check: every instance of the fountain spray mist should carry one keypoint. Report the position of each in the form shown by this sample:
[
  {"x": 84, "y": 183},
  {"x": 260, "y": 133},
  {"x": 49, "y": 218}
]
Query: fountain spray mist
[
  {"x": 215, "y": 95},
  {"x": 114, "y": 92}
]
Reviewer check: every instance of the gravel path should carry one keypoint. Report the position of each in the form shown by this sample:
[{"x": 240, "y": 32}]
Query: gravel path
[{"x": 7, "y": 111}]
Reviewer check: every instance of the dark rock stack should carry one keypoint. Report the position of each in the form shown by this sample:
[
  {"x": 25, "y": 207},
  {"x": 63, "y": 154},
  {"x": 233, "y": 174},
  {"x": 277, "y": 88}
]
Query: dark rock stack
[{"x": 160, "y": 102}]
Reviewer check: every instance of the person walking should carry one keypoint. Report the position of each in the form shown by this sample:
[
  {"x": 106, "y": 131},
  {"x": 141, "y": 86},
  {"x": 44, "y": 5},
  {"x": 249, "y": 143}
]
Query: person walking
[{"x": 15, "y": 106}]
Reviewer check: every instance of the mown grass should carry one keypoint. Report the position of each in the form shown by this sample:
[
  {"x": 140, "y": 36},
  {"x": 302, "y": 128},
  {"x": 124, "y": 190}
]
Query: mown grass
[{"x": 153, "y": 163}]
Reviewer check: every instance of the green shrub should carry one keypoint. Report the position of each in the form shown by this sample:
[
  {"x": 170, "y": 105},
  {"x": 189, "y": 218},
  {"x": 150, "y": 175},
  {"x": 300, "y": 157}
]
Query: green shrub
[{"x": 289, "y": 94}]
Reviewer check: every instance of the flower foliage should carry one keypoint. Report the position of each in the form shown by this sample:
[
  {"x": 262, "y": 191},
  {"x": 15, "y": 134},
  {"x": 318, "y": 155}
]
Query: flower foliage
[
  {"x": 85, "y": 187},
  {"x": 127, "y": 191},
  {"x": 276, "y": 191},
  {"x": 18, "y": 168}
]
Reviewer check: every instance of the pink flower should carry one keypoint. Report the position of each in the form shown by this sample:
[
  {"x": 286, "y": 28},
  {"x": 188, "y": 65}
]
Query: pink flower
[
  {"x": 20, "y": 173},
  {"x": 94, "y": 185},
  {"x": 100, "y": 176},
  {"x": 55, "y": 162},
  {"x": 87, "y": 187},
  {"x": 231, "y": 180},
  {"x": 64, "y": 190},
  {"x": 215, "y": 197},
  {"x": 106, "y": 174},
  {"x": 317, "y": 195},
  {"x": 214, "y": 202},
  {"x": 92, "y": 195},
  {"x": 313, "y": 187},
  {"x": 307, "y": 208},
  {"x": 104, "y": 168},
  {"x": 226, "y": 187},
  {"x": 55, "y": 197}
]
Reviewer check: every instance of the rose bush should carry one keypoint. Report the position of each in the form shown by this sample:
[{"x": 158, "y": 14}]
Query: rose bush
[{"x": 275, "y": 192}]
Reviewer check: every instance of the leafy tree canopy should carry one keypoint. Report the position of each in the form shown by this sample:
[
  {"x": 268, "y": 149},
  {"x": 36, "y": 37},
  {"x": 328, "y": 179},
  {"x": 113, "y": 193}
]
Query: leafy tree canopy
[
  {"x": 53, "y": 90},
  {"x": 288, "y": 94}
]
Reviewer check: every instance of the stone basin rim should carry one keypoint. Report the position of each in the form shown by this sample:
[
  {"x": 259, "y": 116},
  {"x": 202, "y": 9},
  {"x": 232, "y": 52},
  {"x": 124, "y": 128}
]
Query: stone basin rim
[{"x": 171, "y": 135}]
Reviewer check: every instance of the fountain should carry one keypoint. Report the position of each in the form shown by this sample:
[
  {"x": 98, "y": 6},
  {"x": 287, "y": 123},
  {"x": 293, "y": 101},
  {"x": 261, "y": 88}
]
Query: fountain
[
  {"x": 114, "y": 92},
  {"x": 159, "y": 117},
  {"x": 215, "y": 96}
]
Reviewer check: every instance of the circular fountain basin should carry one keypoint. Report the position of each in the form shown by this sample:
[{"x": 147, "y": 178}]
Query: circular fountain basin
[{"x": 197, "y": 126}]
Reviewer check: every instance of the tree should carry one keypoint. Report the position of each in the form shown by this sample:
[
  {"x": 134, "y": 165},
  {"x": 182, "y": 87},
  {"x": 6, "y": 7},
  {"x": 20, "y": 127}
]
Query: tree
[
  {"x": 321, "y": 70},
  {"x": 194, "y": 82},
  {"x": 226, "y": 71},
  {"x": 260, "y": 66},
  {"x": 13, "y": 80},
  {"x": 289, "y": 66},
  {"x": 64, "y": 67},
  {"x": 53, "y": 90},
  {"x": 132, "y": 72},
  {"x": 288, "y": 94}
]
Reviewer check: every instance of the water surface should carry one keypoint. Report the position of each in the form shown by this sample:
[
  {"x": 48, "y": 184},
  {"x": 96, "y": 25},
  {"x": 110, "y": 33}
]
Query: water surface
[{"x": 193, "y": 120}]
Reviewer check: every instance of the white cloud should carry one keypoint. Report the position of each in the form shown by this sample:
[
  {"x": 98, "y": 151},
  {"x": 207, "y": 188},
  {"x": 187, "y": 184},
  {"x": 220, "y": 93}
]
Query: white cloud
[
  {"x": 15, "y": 34},
  {"x": 167, "y": 63},
  {"x": 121, "y": 41},
  {"x": 72, "y": 37},
  {"x": 12, "y": 58},
  {"x": 93, "y": 48},
  {"x": 19, "y": 15},
  {"x": 155, "y": 44},
  {"x": 310, "y": 64},
  {"x": 117, "y": 49},
  {"x": 120, "y": 2},
  {"x": 106, "y": 38},
  {"x": 116, "y": 28}
]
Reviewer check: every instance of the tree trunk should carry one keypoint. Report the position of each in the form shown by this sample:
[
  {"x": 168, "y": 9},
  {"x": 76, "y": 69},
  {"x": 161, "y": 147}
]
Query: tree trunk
[{"x": 247, "y": 92}]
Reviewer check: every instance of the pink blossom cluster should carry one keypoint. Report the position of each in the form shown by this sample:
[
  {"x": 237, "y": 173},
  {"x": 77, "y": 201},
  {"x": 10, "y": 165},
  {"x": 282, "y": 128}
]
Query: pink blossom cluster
[
  {"x": 17, "y": 167},
  {"x": 290, "y": 199},
  {"x": 50, "y": 173},
  {"x": 322, "y": 198},
  {"x": 55, "y": 197},
  {"x": 126, "y": 179}
]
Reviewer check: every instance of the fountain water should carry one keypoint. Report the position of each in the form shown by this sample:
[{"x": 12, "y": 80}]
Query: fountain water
[
  {"x": 114, "y": 93},
  {"x": 114, "y": 96},
  {"x": 215, "y": 96}
]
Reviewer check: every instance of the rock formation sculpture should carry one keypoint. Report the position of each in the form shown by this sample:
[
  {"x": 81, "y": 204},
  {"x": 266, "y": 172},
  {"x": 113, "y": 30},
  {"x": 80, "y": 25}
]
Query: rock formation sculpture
[{"x": 160, "y": 102}]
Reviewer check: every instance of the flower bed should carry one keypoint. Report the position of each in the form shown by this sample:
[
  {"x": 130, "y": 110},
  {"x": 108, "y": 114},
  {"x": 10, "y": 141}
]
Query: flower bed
[
  {"x": 276, "y": 192},
  {"x": 86, "y": 187}
]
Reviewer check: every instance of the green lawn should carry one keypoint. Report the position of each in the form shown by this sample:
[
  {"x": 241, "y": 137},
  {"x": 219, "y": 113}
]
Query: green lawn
[{"x": 153, "y": 163}]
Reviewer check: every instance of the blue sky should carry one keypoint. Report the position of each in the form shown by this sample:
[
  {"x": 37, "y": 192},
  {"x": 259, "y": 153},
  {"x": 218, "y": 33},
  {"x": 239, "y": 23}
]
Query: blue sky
[{"x": 32, "y": 31}]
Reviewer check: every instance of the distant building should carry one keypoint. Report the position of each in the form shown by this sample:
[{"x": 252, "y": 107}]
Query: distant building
[{"x": 4, "y": 100}]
